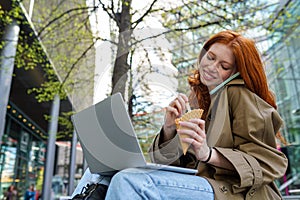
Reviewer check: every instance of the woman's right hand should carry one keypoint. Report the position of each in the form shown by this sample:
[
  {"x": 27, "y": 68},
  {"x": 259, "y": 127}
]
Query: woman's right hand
[{"x": 176, "y": 109}]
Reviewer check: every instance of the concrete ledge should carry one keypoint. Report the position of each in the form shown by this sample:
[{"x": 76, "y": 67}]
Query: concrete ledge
[{"x": 292, "y": 197}]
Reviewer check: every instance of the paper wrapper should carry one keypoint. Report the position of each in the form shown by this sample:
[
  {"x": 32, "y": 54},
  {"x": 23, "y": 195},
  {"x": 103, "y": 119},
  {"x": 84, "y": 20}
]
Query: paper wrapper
[{"x": 197, "y": 113}]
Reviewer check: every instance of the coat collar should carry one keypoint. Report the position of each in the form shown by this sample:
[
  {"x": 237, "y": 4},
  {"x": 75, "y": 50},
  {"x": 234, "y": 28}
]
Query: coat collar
[
  {"x": 236, "y": 81},
  {"x": 219, "y": 109}
]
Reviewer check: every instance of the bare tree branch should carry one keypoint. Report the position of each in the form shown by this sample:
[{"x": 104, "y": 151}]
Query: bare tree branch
[
  {"x": 178, "y": 30},
  {"x": 74, "y": 65},
  {"x": 112, "y": 15},
  {"x": 68, "y": 19},
  {"x": 106, "y": 40},
  {"x": 144, "y": 15},
  {"x": 60, "y": 16}
]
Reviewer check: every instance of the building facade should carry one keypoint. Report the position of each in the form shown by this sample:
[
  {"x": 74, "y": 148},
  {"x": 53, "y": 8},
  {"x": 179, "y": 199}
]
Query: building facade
[
  {"x": 26, "y": 130},
  {"x": 283, "y": 68},
  {"x": 22, "y": 151}
]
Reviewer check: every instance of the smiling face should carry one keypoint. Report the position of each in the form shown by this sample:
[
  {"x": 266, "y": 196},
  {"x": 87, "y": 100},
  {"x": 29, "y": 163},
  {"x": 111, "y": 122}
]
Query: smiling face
[{"x": 217, "y": 64}]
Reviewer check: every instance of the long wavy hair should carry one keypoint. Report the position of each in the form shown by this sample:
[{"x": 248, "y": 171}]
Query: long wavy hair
[{"x": 248, "y": 63}]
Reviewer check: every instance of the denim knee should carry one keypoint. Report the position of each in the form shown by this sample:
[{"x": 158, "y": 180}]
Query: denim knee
[{"x": 126, "y": 176}]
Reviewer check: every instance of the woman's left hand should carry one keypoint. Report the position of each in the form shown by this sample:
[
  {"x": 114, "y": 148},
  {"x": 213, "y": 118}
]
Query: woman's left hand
[{"x": 195, "y": 129}]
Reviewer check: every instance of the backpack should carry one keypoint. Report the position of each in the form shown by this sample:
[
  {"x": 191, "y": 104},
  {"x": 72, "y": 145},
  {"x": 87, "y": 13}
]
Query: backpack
[{"x": 92, "y": 192}]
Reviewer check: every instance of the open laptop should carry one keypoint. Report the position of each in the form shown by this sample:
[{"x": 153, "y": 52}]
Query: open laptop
[{"x": 108, "y": 140}]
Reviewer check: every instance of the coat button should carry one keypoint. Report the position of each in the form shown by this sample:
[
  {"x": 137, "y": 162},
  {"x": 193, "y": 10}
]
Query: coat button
[
  {"x": 252, "y": 192},
  {"x": 223, "y": 189}
]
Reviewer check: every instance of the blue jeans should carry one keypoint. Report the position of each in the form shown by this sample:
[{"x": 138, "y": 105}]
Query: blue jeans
[{"x": 136, "y": 183}]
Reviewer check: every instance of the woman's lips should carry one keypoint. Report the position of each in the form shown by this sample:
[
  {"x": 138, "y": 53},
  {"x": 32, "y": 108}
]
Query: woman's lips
[{"x": 207, "y": 76}]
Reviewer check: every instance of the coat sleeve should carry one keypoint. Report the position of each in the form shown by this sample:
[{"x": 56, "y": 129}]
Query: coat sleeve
[
  {"x": 170, "y": 153},
  {"x": 254, "y": 155}
]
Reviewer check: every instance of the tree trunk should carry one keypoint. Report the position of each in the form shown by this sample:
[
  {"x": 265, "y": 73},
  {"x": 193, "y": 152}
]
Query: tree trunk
[{"x": 121, "y": 66}]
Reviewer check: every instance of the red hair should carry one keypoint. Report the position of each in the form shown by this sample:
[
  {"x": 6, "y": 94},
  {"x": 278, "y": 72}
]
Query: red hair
[{"x": 247, "y": 61}]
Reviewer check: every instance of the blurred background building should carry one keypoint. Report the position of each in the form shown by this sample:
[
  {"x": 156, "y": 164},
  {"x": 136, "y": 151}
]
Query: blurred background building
[
  {"x": 283, "y": 67},
  {"x": 25, "y": 135}
]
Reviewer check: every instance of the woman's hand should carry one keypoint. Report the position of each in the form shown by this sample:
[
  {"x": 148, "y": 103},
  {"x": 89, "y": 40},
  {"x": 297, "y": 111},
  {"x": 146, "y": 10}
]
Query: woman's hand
[
  {"x": 195, "y": 129},
  {"x": 175, "y": 109}
]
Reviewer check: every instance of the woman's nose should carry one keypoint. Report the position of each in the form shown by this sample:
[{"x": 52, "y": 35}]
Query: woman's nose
[{"x": 212, "y": 67}]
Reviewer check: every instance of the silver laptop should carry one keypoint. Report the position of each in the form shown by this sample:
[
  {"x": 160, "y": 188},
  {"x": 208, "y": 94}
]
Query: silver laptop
[{"x": 108, "y": 140}]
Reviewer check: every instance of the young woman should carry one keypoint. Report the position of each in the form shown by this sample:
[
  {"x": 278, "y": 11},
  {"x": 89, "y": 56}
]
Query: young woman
[
  {"x": 233, "y": 146},
  {"x": 11, "y": 193}
]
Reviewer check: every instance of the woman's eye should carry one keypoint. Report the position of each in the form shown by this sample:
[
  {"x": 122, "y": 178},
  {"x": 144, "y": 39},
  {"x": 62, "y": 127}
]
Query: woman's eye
[
  {"x": 209, "y": 57},
  {"x": 225, "y": 68}
]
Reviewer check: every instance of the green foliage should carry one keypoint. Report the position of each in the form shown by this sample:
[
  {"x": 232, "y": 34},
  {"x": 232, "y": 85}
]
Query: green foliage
[
  {"x": 28, "y": 55},
  {"x": 29, "y": 52},
  {"x": 66, "y": 126},
  {"x": 47, "y": 91},
  {"x": 279, "y": 70},
  {"x": 61, "y": 49},
  {"x": 66, "y": 34}
]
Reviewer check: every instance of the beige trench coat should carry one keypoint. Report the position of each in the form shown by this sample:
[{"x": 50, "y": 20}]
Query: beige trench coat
[{"x": 241, "y": 126}]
